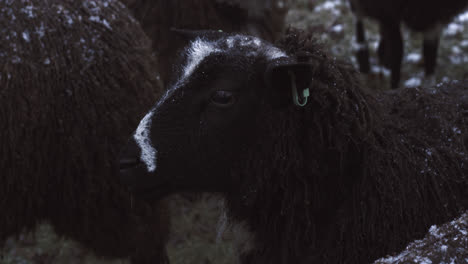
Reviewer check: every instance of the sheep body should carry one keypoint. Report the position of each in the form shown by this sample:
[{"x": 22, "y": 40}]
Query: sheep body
[
  {"x": 428, "y": 17},
  {"x": 74, "y": 78},
  {"x": 350, "y": 177}
]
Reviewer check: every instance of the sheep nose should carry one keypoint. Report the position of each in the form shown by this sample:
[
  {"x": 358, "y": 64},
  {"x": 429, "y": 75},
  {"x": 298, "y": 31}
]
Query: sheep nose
[{"x": 130, "y": 156}]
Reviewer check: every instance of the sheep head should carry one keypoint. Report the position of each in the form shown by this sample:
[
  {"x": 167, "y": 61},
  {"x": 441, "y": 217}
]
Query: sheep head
[{"x": 201, "y": 130}]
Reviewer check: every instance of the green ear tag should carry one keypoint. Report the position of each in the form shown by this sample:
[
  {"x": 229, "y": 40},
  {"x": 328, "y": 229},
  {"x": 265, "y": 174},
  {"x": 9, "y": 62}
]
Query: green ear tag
[{"x": 295, "y": 94}]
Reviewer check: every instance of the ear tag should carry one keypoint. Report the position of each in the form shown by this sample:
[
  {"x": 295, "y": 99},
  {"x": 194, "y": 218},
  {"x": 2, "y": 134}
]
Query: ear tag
[{"x": 295, "y": 94}]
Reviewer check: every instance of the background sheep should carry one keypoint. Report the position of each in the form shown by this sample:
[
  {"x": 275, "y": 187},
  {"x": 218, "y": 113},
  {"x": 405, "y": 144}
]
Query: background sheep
[
  {"x": 423, "y": 16},
  {"x": 264, "y": 18},
  {"x": 75, "y": 76},
  {"x": 348, "y": 178}
]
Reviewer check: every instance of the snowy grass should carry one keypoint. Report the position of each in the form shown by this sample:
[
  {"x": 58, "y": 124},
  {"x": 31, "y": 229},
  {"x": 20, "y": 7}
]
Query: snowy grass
[{"x": 334, "y": 26}]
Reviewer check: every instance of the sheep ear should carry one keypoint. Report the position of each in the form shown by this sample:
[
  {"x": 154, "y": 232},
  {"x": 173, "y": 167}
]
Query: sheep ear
[
  {"x": 288, "y": 81},
  {"x": 189, "y": 34}
]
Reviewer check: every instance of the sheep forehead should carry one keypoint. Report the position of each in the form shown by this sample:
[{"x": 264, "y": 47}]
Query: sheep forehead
[
  {"x": 258, "y": 47},
  {"x": 200, "y": 49},
  {"x": 142, "y": 138}
]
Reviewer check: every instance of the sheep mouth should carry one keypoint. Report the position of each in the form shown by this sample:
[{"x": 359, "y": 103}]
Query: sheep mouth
[
  {"x": 129, "y": 163},
  {"x": 131, "y": 173},
  {"x": 153, "y": 194}
]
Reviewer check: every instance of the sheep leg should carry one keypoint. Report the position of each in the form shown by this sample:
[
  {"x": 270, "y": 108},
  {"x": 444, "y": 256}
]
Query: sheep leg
[
  {"x": 362, "y": 50},
  {"x": 430, "y": 47},
  {"x": 390, "y": 49}
]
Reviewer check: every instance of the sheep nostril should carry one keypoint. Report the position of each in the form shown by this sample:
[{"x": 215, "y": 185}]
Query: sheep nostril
[{"x": 128, "y": 163}]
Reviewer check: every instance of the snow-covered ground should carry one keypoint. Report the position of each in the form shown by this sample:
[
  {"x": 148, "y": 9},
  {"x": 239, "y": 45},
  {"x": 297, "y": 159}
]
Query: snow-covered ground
[{"x": 446, "y": 244}]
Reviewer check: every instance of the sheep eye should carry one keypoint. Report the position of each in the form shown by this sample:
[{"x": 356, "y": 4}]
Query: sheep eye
[{"x": 223, "y": 98}]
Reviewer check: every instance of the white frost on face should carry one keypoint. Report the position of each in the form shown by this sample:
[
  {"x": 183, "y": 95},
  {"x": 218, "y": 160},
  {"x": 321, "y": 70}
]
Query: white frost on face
[
  {"x": 257, "y": 45},
  {"x": 275, "y": 53},
  {"x": 142, "y": 138},
  {"x": 199, "y": 50}
]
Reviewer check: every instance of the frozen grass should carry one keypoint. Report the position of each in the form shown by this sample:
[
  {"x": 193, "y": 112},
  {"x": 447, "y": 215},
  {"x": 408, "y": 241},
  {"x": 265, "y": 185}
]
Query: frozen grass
[
  {"x": 194, "y": 232},
  {"x": 193, "y": 239}
]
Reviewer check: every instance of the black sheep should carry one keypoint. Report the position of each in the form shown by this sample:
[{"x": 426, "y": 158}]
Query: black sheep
[
  {"x": 426, "y": 16},
  {"x": 75, "y": 76},
  {"x": 264, "y": 18},
  {"x": 342, "y": 175}
]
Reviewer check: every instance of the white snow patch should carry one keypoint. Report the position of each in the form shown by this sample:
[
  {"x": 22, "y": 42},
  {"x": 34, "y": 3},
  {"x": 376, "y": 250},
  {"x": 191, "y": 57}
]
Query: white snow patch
[
  {"x": 456, "y": 130},
  {"x": 275, "y": 53},
  {"x": 330, "y": 6},
  {"x": 97, "y": 19},
  {"x": 249, "y": 41},
  {"x": 257, "y": 42},
  {"x": 280, "y": 4},
  {"x": 15, "y": 59},
  {"x": 230, "y": 42},
  {"x": 463, "y": 17},
  {"x": 359, "y": 46},
  {"x": 434, "y": 231},
  {"x": 456, "y": 50},
  {"x": 25, "y": 35},
  {"x": 40, "y": 31},
  {"x": 443, "y": 248},
  {"x": 28, "y": 10},
  {"x": 413, "y": 82},
  {"x": 337, "y": 28},
  {"x": 327, "y": 6},
  {"x": 413, "y": 57},
  {"x": 423, "y": 260},
  {"x": 69, "y": 20},
  {"x": 453, "y": 29},
  {"x": 458, "y": 59},
  {"x": 380, "y": 70}
]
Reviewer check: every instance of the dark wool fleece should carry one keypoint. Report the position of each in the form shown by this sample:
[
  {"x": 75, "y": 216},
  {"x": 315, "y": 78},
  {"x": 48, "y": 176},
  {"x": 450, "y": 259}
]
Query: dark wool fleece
[
  {"x": 355, "y": 175},
  {"x": 75, "y": 78}
]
